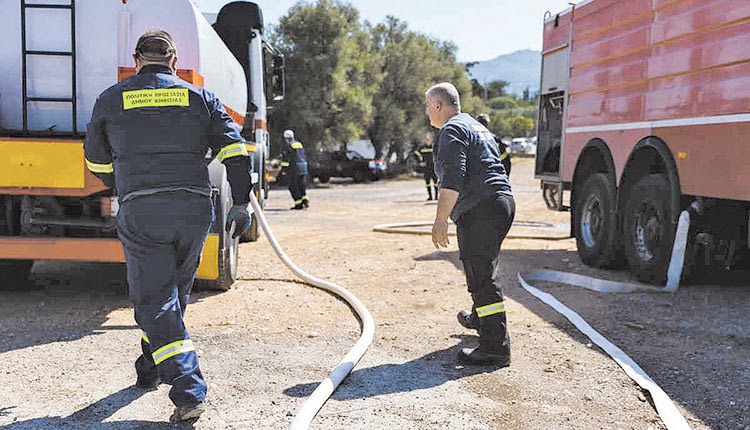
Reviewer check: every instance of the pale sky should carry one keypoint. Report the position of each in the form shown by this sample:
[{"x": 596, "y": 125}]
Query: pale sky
[{"x": 482, "y": 29}]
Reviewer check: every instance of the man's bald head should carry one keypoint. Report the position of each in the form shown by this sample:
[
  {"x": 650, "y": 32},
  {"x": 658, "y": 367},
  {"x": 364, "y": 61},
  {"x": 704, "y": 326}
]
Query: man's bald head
[
  {"x": 443, "y": 102},
  {"x": 445, "y": 93}
]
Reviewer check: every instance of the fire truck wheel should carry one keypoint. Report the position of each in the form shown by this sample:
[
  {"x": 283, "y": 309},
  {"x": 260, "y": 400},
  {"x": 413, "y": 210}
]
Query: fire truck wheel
[
  {"x": 649, "y": 232},
  {"x": 14, "y": 272},
  {"x": 595, "y": 221}
]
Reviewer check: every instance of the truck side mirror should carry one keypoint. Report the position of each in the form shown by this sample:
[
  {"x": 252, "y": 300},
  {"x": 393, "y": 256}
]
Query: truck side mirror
[{"x": 278, "y": 87}]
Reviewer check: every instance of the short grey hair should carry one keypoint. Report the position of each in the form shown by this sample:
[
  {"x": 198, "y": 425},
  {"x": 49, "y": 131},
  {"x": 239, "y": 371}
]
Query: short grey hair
[{"x": 445, "y": 93}]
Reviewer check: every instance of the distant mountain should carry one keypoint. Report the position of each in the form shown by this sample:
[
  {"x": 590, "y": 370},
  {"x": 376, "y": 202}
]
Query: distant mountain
[{"x": 521, "y": 69}]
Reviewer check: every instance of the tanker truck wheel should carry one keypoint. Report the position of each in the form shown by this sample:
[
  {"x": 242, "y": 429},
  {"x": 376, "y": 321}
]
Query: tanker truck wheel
[
  {"x": 253, "y": 234},
  {"x": 227, "y": 252},
  {"x": 649, "y": 231},
  {"x": 595, "y": 221},
  {"x": 14, "y": 273}
]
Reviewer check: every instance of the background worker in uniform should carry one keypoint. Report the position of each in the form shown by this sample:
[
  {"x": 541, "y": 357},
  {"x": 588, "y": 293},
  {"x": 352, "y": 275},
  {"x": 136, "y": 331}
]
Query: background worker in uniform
[
  {"x": 294, "y": 161},
  {"x": 148, "y": 136},
  {"x": 476, "y": 194},
  {"x": 484, "y": 119},
  {"x": 426, "y": 164}
]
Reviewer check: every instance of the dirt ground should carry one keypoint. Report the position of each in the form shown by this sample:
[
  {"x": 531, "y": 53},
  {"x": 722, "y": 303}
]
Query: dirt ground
[{"x": 68, "y": 341}]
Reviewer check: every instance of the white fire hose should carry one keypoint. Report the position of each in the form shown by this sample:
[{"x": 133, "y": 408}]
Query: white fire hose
[
  {"x": 312, "y": 405},
  {"x": 666, "y": 409}
]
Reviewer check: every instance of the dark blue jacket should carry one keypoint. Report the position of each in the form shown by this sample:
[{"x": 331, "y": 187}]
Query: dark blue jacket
[
  {"x": 152, "y": 132},
  {"x": 293, "y": 157},
  {"x": 467, "y": 160}
]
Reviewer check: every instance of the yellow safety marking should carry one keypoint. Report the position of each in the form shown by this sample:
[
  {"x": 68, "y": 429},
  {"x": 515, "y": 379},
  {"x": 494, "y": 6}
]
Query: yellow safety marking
[
  {"x": 284, "y": 164},
  {"x": 232, "y": 150},
  {"x": 426, "y": 150},
  {"x": 155, "y": 98},
  {"x": 209, "y": 267},
  {"x": 296, "y": 145},
  {"x": 144, "y": 337},
  {"x": 504, "y": 156},
  {"x": 172, "y": 349},
  {"x": 305, "y": 198},
  {"x": 41, "y": 164},
  {"x": 492, "y": 309},
  {"x": 249, "y": 147},
  {"x": 100, "y": 168},
  {"x": 298, "y": 202}
]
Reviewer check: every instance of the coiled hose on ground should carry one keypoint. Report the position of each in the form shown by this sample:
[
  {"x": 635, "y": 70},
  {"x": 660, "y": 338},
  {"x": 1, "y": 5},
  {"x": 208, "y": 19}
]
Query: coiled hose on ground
[{"x": 312, "y": 405}]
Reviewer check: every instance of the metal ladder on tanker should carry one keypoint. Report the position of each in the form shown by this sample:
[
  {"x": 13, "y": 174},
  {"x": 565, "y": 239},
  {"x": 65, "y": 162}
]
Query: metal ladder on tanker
[{"x": 72, "y": 54}]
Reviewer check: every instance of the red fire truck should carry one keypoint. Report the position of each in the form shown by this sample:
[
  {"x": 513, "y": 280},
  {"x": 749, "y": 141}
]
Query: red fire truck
[{"x": 644, "y": 112}]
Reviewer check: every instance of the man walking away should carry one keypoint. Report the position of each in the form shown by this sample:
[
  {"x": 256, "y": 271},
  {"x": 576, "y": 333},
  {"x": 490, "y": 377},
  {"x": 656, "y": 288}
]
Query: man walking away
[
  {"x": 148, "y": 136},
  {"x": 426, "y": 164},
  {"x": 475, "y": 193},
  {"x": 484, "y": 119},
  {"x": 294, "y": 161}
]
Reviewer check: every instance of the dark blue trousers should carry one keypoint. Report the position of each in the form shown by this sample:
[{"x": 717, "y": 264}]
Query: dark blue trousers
[
  {"x": 162, "y": 236},
  {"x": 480, "y": 233},
  {"x": 298, "y": 188}
]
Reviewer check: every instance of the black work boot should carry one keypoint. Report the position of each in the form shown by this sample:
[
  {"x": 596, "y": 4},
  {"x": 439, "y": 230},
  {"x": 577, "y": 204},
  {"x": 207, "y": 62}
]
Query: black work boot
[
  {"x": 297, "y": 207},
  {"x": 469, "y": 320},
  {"x": 147, "y": 382},
  {"x": 187, "y": 412},
  {"x": 475, "y": 356},
  {"x": 429, "y": 193},
  {"x": 306, "y": 203}
]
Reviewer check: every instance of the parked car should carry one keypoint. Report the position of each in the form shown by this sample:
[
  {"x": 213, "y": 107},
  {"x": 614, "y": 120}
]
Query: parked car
[
  {"x": 523, "y": 146},
  {"x": 347, "y": 164}
]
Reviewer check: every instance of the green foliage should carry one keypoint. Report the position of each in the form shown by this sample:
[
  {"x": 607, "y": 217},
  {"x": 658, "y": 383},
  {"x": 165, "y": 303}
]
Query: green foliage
[
  {"x": 329, "y": 83},
  {"x": 346, "y": 79}
]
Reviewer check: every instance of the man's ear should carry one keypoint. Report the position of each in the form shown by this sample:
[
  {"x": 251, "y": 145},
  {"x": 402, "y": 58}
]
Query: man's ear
[{"x": 173, "y": 64}]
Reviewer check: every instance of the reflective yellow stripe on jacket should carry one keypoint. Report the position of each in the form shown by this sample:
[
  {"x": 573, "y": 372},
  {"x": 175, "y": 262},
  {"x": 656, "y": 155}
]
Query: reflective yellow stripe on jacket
[
  {"x": 100, "y": 168},
  {"x": 232, "y": 150},
  {"x": 296, "y": 145}
]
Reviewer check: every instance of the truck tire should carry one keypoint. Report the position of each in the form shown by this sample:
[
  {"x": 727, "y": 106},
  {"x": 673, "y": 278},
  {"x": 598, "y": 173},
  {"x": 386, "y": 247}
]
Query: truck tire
[
  {"x": 14, "y": 272},
  {"x": 228, "y": 253},
  {"x": 649, "y": 231},
  {"x": 596, "y": 221},
  {"x": 253, "y": 234}
]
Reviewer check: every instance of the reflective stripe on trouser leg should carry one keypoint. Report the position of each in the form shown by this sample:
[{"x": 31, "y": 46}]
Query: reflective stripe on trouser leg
[
  {"x": 485, "y": 289},
  {"x": 491, "y": 309},
  {"x": 161, "y": 258},
  {"x": 144, "y": 365}
]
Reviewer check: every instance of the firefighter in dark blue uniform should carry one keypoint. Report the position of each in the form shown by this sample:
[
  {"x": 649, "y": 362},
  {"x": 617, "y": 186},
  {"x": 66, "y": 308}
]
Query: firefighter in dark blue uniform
[
  {"x": 294, "y": 162},
  {"x": 148, "y": 138},
  {"x": 484, "y": 119},
  {"x": 476, "y": 194},
  {"x": 427, "y": 166}
]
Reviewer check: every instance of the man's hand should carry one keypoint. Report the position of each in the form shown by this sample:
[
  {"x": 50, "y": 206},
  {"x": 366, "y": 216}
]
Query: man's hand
[
  {"x": 238, "y": 215},
  {"x": 440, "y": 233}
]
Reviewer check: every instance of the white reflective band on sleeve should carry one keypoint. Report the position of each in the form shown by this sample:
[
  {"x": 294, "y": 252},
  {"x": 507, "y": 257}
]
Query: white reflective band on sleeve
[
  {"x": 100, "y": 168},
  {"x": 492, "y": 309},
  {"x": 173, "y": 349}
]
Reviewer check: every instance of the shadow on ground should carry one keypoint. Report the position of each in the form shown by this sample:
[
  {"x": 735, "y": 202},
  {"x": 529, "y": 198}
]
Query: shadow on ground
[
  {"x": 433, "y": 369},
  {"x": 93, "y": 417},
  {"x": 64, "y": 301}
]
